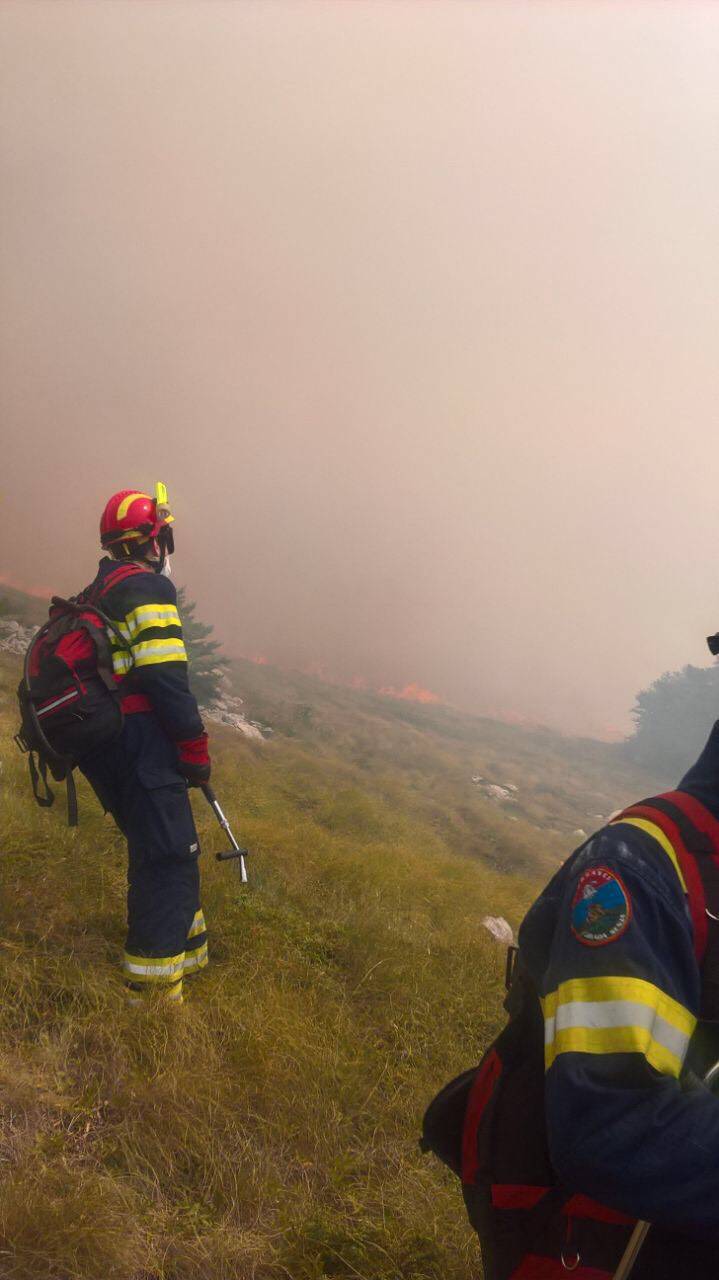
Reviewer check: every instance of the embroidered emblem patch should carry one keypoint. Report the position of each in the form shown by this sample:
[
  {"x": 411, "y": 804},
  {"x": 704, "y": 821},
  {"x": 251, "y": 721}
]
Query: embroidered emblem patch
[{"x": 601, "y": 909}]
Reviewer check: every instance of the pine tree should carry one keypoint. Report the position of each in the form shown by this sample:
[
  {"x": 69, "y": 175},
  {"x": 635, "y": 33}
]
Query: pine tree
[
  {"x": 673, "y": 718},
  {"x": 206, "y": 666}
]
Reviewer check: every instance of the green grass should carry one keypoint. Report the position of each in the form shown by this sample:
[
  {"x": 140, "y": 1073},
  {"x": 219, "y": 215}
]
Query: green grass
[{"x": 268, "y": 1127}]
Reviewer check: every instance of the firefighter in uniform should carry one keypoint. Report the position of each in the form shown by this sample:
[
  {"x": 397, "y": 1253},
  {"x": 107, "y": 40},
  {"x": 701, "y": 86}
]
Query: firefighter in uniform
[
  {"x": 142, "y": 778},
  {"x": 613, "y": 946}
]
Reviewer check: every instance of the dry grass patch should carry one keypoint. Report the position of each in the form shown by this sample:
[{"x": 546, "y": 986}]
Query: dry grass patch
[{"x": 268, "y": 1127}]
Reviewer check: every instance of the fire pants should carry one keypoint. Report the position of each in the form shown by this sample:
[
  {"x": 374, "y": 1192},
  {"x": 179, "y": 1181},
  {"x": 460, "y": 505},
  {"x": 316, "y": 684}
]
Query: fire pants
[{"x": 137, "y": 780}]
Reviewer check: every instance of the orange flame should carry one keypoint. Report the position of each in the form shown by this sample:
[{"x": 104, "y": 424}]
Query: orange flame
[{"x": 410, "y": 693}]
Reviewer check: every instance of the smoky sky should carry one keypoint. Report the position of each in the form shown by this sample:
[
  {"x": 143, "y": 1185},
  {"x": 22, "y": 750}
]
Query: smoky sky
[{"x": 412, "y": 305}]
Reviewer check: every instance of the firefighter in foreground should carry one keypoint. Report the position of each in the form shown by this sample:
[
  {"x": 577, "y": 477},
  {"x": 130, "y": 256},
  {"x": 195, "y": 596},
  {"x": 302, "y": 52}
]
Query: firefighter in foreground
[
  {"x": 588, "y": 1112},
  {"x": 142, "y": 778},
  {"x": 623, "y": 948}
]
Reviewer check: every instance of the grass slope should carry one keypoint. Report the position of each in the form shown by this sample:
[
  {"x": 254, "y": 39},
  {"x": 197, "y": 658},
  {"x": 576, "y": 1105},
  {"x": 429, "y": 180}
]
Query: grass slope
[{"x": 267, "y": 1128}]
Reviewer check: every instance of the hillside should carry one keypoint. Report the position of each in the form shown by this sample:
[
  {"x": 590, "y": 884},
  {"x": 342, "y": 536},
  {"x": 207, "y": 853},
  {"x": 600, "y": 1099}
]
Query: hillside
[
  {"x": 20, "y": 605},
  {"x": 267, "y": 1128},
  {"x": 422, "y": 759}
]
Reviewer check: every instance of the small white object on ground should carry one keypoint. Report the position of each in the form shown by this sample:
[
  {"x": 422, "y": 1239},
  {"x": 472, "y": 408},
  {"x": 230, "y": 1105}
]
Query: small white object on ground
[
  {"x": 499, "y": 929},
  {"x": 228, "y": 711}
]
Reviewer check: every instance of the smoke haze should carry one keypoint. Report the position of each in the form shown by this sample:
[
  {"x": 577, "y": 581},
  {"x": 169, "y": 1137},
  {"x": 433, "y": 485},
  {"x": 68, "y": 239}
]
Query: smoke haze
[{"x": 413, "y": 306}]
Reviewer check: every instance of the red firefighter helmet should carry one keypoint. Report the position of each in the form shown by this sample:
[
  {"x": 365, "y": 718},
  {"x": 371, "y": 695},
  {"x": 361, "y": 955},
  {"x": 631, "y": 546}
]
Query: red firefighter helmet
[{"x": 131, "y": 516}]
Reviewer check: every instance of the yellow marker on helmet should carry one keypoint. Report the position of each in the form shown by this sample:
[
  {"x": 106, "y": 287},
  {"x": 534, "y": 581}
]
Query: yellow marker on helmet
[{"x": 162, "y": 508}]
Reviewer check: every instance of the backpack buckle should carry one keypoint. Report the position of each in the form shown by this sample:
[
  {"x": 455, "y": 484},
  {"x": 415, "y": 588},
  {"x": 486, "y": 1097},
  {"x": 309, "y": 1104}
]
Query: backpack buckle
[{"x": 20, "y": 742}]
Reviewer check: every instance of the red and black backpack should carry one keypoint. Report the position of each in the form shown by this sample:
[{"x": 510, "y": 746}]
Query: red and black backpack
[
  {"x": 69, "y": 697},
  {"x": 488, "y": 1125}
]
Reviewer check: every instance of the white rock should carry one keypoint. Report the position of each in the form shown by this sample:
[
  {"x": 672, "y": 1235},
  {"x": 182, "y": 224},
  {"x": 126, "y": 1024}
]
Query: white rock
[
  {"x": 499, "y": 929},
  {"x": 227, "y": 711},
  {"x": 495, "y": 792},
  {"x": 477, "y": 777},
  {"x": 580, "y": 832}
]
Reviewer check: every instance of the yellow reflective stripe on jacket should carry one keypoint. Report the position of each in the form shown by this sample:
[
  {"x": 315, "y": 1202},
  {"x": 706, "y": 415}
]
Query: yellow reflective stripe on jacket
[
  {"x": 121, "y": 662},
  {"x": 661, "y": 838},
  {"x": 148, "y": 652},
  {"x": 617, "y": 1015},
  {"x": 149, "y": 615}
]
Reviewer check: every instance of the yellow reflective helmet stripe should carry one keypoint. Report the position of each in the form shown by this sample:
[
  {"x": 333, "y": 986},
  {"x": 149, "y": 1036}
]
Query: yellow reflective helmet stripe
[
  {"x": 127, "y": 502},
  {"x": 129, "y": 534},
  {"x": 617, "y": 1015},
  {"x": 661, "y": 838}
]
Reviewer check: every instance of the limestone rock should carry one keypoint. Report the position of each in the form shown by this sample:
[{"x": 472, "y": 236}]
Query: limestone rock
[{"x": 228, "y": 710}]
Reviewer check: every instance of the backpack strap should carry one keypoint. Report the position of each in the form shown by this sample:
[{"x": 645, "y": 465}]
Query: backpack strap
[
  {"x": 71, "y": 799},
  {"x": 80, "y": 605},
  {"x": 38, "y": 773},
  {"x": 692, "y": 834},
  {"x": 115, "y": 577}
]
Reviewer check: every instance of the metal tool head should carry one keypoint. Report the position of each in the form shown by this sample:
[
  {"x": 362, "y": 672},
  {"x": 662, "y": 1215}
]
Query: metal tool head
[{"x": 235, "y": 852}]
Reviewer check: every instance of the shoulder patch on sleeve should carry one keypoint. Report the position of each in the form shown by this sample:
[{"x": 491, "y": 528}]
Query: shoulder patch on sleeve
[{"x": 601, "y": 907}]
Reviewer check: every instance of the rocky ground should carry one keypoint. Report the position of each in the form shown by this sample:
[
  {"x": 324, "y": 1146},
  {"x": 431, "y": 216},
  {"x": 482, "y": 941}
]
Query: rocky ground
[
  {"x": 14, "y": 637},
  {"x": 228, "y": 710}
]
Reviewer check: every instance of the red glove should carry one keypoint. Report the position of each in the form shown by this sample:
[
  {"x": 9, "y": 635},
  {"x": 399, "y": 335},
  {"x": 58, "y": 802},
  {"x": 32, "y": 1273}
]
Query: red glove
[{"x": 194, "y": 763}]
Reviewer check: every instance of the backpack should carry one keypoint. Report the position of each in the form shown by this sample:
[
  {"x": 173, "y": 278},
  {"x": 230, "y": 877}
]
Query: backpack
[
  {"x": 488, "y": 1125},
  {"x": 69, "y": 698}
]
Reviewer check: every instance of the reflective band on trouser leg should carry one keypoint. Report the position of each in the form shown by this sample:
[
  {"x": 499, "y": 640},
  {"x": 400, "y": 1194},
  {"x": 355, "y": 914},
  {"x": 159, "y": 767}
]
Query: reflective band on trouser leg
[
  {"x": 196, "y": 949},
  {"x": 159, "y": 974}
]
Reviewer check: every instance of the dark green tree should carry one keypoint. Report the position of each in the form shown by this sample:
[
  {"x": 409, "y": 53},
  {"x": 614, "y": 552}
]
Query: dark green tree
[
  {"x": 207, "y": 666},
  {"x": 673, "y": 718}
]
